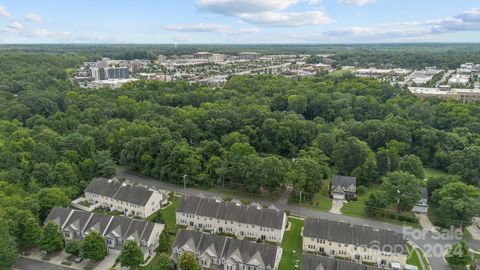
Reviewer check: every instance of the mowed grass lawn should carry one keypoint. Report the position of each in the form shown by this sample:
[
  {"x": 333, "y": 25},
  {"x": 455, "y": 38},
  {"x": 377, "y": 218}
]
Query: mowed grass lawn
[{"x": 292, "y": 246}]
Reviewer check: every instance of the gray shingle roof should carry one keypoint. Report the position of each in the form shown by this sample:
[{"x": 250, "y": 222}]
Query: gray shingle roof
[
  {"x": 113, "y": 188},
  {"x": 58, "y": 215},
  {"x": 105, "y": 225},
  {"x": 314, "y": 262},
  {"x": 353, "y": 234},
  {"x": 265, "y": 217},
  {"x": 225, "y": 246},
  {"x": 343, "y": 181}
]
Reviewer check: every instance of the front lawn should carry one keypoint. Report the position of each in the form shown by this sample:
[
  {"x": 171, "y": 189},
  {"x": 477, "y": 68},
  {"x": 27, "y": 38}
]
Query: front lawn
[
  {"x": 292, "y": 246},
  {"x": 320, "y": 201},
  {"x": 357, "y": 209}
]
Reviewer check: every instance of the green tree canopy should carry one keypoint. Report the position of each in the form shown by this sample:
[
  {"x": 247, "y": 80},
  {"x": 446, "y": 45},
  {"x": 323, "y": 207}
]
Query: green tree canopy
[
  {"x": 52, "y": 239},
  {"x": 188, "y": 261},
  {"x": 402, "y": 189},
  {"x": 94, "y": 246},
  {"x": 131, "y": 255}
]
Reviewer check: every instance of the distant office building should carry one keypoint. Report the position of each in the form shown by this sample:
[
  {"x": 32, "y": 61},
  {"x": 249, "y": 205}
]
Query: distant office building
[
  {"x": 202, "y": 55},
  {"x": 251, "y": 56}
]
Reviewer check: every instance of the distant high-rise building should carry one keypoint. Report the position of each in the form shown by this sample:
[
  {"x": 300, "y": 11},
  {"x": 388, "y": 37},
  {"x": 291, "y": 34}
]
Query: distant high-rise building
[{"x": 202, "y": 55}]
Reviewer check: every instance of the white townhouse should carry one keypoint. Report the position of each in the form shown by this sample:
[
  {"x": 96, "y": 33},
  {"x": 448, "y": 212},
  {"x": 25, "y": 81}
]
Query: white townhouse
[
  {"x": 76, "y": 224},
  {"x": 215, "y": 252},
  {"x": 361, "y": 244},
  {"x": 132, "y": 200},
  {"x": 243, "y": 221}
]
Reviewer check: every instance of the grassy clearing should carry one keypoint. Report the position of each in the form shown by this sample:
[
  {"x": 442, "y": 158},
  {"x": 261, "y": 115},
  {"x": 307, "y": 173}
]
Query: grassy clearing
[
  {"x": 292, "y": 246},
  {"x": 321, "y": 201}
]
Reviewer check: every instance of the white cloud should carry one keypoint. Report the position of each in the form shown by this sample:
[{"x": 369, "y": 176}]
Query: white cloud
[
  {"x": 15, "y": 26},
  {"x": 182, "y": 38},
  {"x": 4, "y": 12},
  {"x": 465, "y": 21},
  {"x": 210, "y": 28},
  {"x": 355, "y": 2},
  {"x": 273, "y": 18},
  {"x": 266, "y": 12},
  {"x": 35, "y": 18}
]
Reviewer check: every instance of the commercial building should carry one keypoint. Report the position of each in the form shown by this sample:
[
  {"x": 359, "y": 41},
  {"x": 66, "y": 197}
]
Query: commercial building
[
  {"x": 446, "y": 92},
  {"x": 244, "y": 221},
  {"x": 76, "y": 225},
  {"x": 111, "y": 83},
  {"x": 202, "y": 55},
  {"x": 251, "y": 56},
  {"x": 220, "y": 252},
  {"x": 133, "y": 200},
  {"x": 360, "y": 244}
]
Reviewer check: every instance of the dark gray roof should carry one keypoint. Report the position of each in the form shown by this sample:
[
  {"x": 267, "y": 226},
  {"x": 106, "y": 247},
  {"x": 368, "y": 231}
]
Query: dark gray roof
[
  {"x": 102, "y": 186},
  {"x": 423, "y": 192},
  {"x": 124, "y": 227},
  {"x": 314, "y": 262},
  {"x": 265, "y": 217},
  {"x": 343, "y": 181},
  {"x": 58, "y": 215},
  {"x": 226, "y": 246},
  {"x": 134, "y": 194},
  {"x": 78, "y": 219},
  {"x": 138, "y": 195},
  {"x": 353, "y": 234},
  {"x": 268, "y": 253}
]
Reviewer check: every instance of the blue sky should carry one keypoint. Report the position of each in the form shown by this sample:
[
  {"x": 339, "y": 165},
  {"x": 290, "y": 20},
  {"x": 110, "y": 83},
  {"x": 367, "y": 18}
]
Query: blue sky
[{"x": 239, "y": 21}]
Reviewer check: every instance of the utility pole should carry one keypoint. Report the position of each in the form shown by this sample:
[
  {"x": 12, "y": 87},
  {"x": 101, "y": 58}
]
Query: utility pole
[{"x": 185, "y": 185}]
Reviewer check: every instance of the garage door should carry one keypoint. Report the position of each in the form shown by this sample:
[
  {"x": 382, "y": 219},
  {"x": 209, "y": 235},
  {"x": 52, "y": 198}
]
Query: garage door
[{"x": 339, "y": 196}]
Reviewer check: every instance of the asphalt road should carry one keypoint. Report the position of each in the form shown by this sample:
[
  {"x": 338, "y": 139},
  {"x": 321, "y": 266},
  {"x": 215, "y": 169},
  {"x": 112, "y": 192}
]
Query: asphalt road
[
  {"x": 24, "y": 263},
  {"x": 434, "y": 244}
]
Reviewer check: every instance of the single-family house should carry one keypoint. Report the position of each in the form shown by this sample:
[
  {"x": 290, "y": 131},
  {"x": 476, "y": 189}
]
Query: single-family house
[
  {"x": 422, "y": 204},
  {"x": 343, "y": 187}
]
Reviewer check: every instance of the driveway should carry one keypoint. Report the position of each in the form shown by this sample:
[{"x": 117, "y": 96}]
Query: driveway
[
  {"x": 474, "y": 231},
  {"x": 425, "y": 222},
  {"x": 109, "y": 261},
  {"x": 336, "y": 206}
]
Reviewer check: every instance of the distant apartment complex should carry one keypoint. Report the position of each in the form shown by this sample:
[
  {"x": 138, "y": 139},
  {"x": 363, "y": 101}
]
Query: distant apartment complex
[
  {"x": 360, "y": 244},
  {"x": 243, "y": 221},
  {"x": 76, "y": 225},
  {"x": 446, "y": 92},
  {"x": 220, "y": 252},
  {"x": 133, "y": 200}
]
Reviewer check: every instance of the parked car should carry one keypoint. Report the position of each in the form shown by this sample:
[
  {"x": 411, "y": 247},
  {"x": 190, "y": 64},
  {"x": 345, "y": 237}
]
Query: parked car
[{"x": 78, "y": 259}]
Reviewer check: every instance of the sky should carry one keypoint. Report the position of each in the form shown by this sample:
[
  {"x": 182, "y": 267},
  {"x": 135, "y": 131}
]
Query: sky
[{"x": 239, "y": 21}]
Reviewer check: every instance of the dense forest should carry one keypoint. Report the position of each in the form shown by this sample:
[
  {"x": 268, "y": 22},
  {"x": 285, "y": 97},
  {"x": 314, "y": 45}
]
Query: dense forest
[{"x": 258, "y": 133}]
